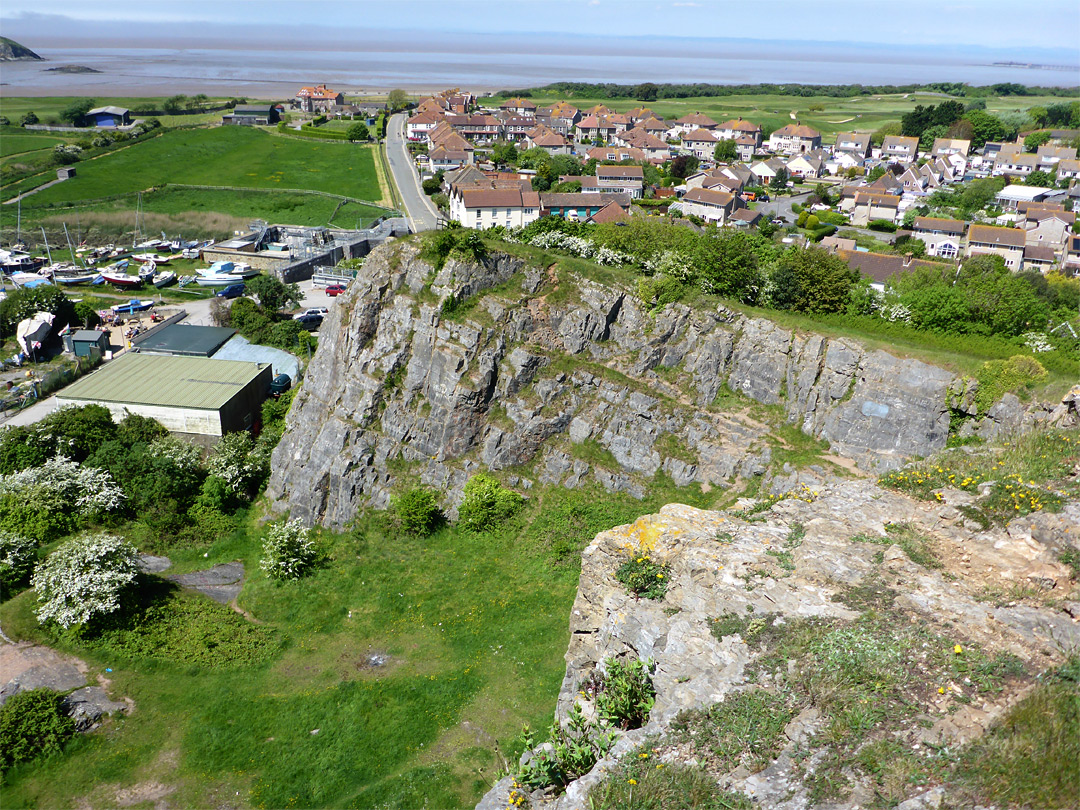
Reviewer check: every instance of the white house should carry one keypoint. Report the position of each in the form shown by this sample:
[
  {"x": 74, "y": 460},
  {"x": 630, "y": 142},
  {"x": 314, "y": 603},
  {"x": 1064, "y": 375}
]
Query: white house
[
  {"x": 487, "y": 207},
  {"x": 942, "y": 237}
]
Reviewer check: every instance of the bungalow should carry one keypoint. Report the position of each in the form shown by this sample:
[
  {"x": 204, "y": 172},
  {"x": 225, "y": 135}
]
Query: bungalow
[
  {"x": 488, "y": 207},
  {"x": 701, "y": 143},
  {"x": 1043, "y": 259},
  {"x": 542, "y": 137},
  {"x": 738, "y": 128},
  {"x": 612, "y": 212},
  {"x": 692, "y": 122},
  {"x": 765, "y": 170},
  {"x": 1068, "y": 169},
  {"x": 744, "y": 218},
  {"x": 795, "y": 139},
  {"x": 841, "y": 162},
  {"x": 899, "y": 149},
  {"x": 740, "y": 172},
  {"x": 252, "y": 115},
  {"x": 440, "y": 158},
  {"x": 112, "y": 117},
  {"x": 711, "y": 205},
  {"x": 1019, "y": 165},
  {"x": 579, "y": 207},
  {"x": 872, "y": 205},
  {"x": 639, "y": 114},
  {"x": 880, "y": 268},
  {"x": 1012, "y": 196},
  {"x": 615, "y": 153},
  {"x": 598, "y": 109},
  {"x": 805, "y": 166},
  {"x": 942, "y": 237},
  {"x": 519, "y": 106},
  {"x": 1008, "y": 243},
  {"x": 318, "y": 98},
  {"x": 855, "y": 144},
  {"x": 943, "y": 147}
]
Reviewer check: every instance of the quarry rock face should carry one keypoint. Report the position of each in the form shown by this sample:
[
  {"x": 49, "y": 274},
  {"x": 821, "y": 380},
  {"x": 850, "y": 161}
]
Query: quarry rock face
[
  {"x": 568, "y": 381},
  {"x": 722, "y": 563}
]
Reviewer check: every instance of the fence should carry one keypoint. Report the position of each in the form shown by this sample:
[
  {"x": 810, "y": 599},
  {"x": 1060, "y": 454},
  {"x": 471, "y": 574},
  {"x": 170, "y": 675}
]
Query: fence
[{"x": 38, "y": 388}]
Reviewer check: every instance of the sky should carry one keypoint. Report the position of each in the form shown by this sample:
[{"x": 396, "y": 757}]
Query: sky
[{"x": 997, "y": 24}]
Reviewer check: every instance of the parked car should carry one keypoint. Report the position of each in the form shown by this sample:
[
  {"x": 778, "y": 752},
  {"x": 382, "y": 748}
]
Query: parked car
[
  {"x": 232, "y": 291},
  {"x": 322, "y": 312},
  {"x": 335, "y": 290},
  {"x": 310, "y": 322}
]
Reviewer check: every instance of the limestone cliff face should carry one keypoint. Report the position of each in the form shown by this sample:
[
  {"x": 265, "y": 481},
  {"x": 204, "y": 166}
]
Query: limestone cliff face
[
  {"x": 542, "y": 368},
  {"x": 723, "y": 564}
]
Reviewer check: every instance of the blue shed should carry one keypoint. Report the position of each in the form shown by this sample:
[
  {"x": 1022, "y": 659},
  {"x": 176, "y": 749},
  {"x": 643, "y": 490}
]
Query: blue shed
[{"x": 108, "y": 117}]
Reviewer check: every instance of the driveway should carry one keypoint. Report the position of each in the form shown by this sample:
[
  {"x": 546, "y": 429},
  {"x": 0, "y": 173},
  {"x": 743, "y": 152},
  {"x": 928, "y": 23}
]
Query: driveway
[{"x": 421, "y": 213}]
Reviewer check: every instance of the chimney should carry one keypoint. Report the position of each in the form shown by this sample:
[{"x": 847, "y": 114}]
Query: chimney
[{"x": 907, "y": 259}]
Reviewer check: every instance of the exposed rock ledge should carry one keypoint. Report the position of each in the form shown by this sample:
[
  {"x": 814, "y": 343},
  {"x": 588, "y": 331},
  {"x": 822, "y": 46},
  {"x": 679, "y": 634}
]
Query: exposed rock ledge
[
  {"x": 395, "y": 380},
  {"x": 721, "y": 563}
]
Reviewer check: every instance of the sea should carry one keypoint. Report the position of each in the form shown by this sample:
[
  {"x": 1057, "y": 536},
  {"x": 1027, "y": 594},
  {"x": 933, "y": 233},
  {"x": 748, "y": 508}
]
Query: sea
[{"x": 262, "y": 72}]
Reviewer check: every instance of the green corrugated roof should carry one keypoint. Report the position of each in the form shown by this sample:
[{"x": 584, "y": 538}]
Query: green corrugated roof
[
  {"x": 182, "y": 339},
  {"x": 180, "y": 382}
]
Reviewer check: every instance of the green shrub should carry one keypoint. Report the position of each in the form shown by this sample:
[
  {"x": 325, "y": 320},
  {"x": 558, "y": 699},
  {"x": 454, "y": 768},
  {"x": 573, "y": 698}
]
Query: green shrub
[
  {"x": 882, "y": 225},
  {"x": 1000, "y": 377},
  {"x": 17, "y": 557},
  {"x": 644, "y": 577},
  {"x": 417, "y": 511},
  {"x": 486, "y": 504},
  {"x": 625, "y": 693},
  {"x": 812, "y": 222},
  {"x": 134, "y": 428},
  {"x": 575, "y": 748},
  {"x": 288, "y": 552},
  {"x": 22, "y": 447},
  {"x": 32, "y": 724},
  {"x": 78, "y": 430}
]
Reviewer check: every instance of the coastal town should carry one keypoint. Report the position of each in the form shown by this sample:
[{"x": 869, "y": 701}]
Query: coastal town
[{"x": 630, "y": 446}]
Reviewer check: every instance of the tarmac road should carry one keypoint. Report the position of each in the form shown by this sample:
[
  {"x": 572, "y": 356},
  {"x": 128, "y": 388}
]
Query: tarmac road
[{"x": 422, "y": 214}]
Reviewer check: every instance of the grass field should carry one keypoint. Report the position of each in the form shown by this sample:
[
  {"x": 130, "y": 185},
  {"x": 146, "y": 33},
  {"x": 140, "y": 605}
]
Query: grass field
[
  {"x": 860, "y": 114},
  {"x": 15, "y": 141},
  {"x": 473, "y": 628},
  {"x": 48, "y": 108}
]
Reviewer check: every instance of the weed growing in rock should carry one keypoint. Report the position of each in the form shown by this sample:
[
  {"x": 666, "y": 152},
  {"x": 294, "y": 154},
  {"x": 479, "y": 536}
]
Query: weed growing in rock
[
  {"x": 643, "y": 782},
  {"x": 746, "y": 728},
  {"x": 918, "y": 547},
  {"x": 571, "y": 751},
  {"x": 624, "y": 692},
  {"x": 644, "y": 577}
]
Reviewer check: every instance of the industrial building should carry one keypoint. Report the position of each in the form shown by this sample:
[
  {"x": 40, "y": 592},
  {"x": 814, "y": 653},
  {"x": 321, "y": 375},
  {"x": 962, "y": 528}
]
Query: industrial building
[
  {"x": 185, "y": 394},
  {"x": 185, "y": 340}
]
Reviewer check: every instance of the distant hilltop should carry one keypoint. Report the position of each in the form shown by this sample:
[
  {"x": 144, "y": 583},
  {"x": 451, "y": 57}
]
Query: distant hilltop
[{"x": 12, "y": 51}]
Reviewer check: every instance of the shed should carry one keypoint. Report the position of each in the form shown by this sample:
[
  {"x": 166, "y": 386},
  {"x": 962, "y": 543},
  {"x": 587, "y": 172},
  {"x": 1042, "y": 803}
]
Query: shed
[
  {"x": 186, "y": 394},
  {"x": 252, "y": 115},
  {"x": 85, "y": 342},
  {"x": 185, "y": 340},
  {"x": 65, "y": 172},
  {"x": 109, "y": 117}
]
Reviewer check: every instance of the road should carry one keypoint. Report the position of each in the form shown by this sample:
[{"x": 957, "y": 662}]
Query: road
[{"x": 421, "y": 213}]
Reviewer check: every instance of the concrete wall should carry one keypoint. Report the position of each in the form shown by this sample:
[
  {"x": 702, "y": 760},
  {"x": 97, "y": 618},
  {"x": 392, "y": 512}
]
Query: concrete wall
[{"x": 175, "y": 420}]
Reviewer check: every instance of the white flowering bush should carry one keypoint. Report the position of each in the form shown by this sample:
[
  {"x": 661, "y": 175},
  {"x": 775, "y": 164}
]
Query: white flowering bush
[
  {"x": 62, "y": 484},
  {"x": 1037, "y": 341},
  {"x": 288, "y": 552},
  {"x": 671, "y": 263},
  {"x": 187, "y": 457},
  {"x": 84, "y": 578},
  {"x": 895, "y": 313},
  {"x": 17, "y": 555},
  {"x": 236, "y": 462}
]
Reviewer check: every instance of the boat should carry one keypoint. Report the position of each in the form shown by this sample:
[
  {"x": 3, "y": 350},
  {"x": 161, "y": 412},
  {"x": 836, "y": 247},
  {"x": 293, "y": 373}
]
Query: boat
[
  {"x": 21, "y": 279},
  {"x": 134, "y": 305},
  {"x": 120, "y": 278},
  {"x": 164, "y": 278},
  {"x": 151, "y": 257},
  {"x": 12, "y": 261},
  {"x": 76, "y": 278},
  {"x": 147, "y": 271},
  {"x": 217, "y": 280}
]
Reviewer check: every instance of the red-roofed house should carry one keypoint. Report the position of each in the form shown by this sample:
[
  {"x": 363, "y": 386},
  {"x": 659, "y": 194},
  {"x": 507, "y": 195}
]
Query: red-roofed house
[
  {"x": 711, "y": 205},
  {"x": 1005, "y": 242},
  {"x": 542, "y": 137},
  {"x": 418, "y": 127},
  {"x": 488, "y": 207},
  {"x": 319, "y": 97},
  {"x": 795, "y": 139}
]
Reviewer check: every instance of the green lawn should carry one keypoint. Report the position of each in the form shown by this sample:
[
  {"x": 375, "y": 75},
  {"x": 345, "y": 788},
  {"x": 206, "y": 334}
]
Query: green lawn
[
  {"x": 861, "y": 113},
  {"x": 48, "y": 108},
  {"x": 14, "y": 140}
]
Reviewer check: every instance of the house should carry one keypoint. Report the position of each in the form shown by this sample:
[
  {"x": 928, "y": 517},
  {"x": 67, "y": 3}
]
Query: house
[
  {"x": 804, "y": 166},
  {"x": 252, "y": 115},
  {"x": 516, "y": 127},
  {"x": 1048, "y": 228},
  {"x": 835, "y": 243},
  {"x": 579, "y": 207},
  {"x": 656, "y": 150},
  {"x": 441, "y": 159},
  {"x": 880, "y": 268},
  {"x": 711, "y": 205},
  {"x": 434, "y": 104},
  {"x": 612, "y": 212},
  {"x": 872, "y": 205},
  {"x": 841, "y": 162},
  {"x": 765, "y": 170},
  {"x": 595, "y": 127},
  {"x": 598, "y": 109},
  {"x": 561, "y": 117},
  {"x": 487, "y": 207},
  {"x": 1068, "y": 169},
  {"x": 943, "y": 147},
  {"x": 690, "y": 123},
  {"x": 654, "y": 126},
  {"x": 700, "y": 142},
  {"x": 112, "y": 117},
  {"x": 795, "y": 139},
  {"x": 1071, "y": 265},
  {"x": 1049, "y": 156},
  {"x": 319, "y": 98},
  {"x": 738, "y": 128},
  {"x": 185, "y": 394},
  {"x": 625, "y": 179},
  {"x": 721, "y": 182},
  {"x": 617, "y": 154},
  {"x": 942, "y": 237},
  {"x": 744, "y": 218},
  {"x": 746, "y": 146},
  {"x": 899, "y": 149},
  {"x": 519, "y": 106},
  {"x": 1043, "y": 259},
  {"x": 1016, "y": 165},
  {"x": 913, "y": 181},
  {"x": 480, "y": 128},
  {"x": 419, "y": 125},
  {"x": 855, "y": 144},
  {"x": 1008, "y": 243},
  {"x": 543, "y": 137}
]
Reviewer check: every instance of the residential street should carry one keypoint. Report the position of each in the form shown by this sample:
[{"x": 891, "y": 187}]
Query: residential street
[{"x": 421, "y": 213}]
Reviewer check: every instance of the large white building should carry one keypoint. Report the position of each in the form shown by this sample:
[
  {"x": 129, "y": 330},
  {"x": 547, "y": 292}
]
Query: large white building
[{"x": 488, "y": 207}]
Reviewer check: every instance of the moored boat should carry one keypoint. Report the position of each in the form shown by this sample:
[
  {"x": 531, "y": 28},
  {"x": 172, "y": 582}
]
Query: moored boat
[{"x": 134, "y": 305}]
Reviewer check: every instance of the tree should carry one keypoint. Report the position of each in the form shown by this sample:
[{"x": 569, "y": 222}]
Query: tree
[
  {"x": 22, "y": 303},
  {"x": 397, "y": 99},
  {"x": 358, "y": 132},
  {"x": 84, "y": 578},
  {"x": 28, "y": 120},
  {"x": 1041, "y": 178},
  {"x": 288, "y": 552},
  {"x": 725, "y": 151},
  {"x": 986, "y": 127},
  {"x": 17, "y": 556},
  {"x": 812, "y": 280},
  {"x": 646, "y": 92},
  {"x": 683, "y": 166},
  {"x": 1038, "y": 116},
  {"x": 273, "y": 294},
  {"x": 1036, "y": 139},
  {"x": 237, "y": 462},
  {"x": 504, "y": 153},
  {"x": 174, "y": 104},
  {"x": 780, "y": 180},
  {"x": 76, "y": 111}
]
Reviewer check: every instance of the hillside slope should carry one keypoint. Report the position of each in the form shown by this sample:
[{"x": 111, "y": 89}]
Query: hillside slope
[{"x": 12, "y": 51}]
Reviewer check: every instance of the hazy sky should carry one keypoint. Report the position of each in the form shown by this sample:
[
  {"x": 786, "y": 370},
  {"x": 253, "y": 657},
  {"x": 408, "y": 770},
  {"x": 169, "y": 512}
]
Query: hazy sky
[{"x": 993, "y": 23}]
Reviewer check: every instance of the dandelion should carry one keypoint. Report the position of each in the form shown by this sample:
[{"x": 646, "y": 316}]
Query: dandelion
[
  {"x": 632, "y": 781},
  {"x": 958, "y": 649},
  {"x": 941, "y": 690}
]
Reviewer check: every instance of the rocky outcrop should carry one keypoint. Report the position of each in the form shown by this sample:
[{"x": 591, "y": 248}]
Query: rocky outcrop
[
  {"x": 12, "y": 51},
  {"x": 565, "y": 380},
  {"x": 806, "y": 559}
]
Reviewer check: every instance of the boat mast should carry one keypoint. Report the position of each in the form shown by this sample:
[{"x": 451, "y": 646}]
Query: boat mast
[
  {"x": 47, "y": 251},
  {"x": 138, "y": 209},
  {"x": 71, "y": 250}
]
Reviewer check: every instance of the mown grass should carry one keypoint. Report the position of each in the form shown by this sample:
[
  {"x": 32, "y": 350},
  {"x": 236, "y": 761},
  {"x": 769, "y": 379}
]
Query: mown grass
[
  {"x": 49, "y": 107},
  {"x": 14, "y": 140},
  {"x": 472, "y": 629}
]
